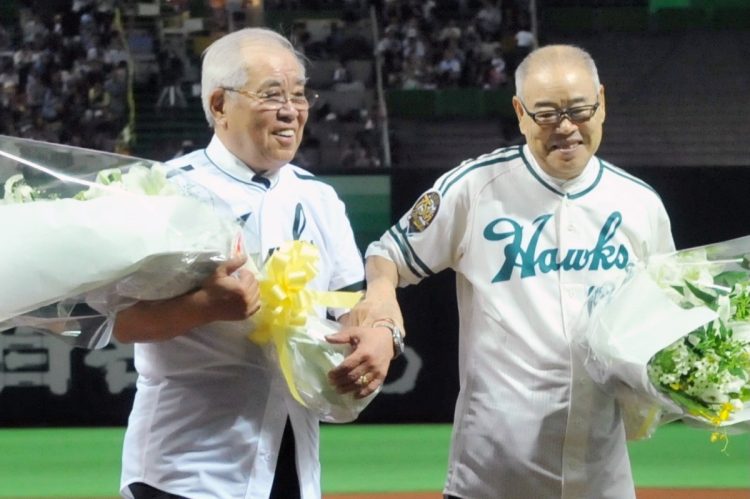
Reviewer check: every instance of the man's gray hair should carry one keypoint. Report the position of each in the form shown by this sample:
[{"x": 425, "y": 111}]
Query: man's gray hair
[
  {"x": 225, "y": 64},
  {"x": 554, "y": 54}
]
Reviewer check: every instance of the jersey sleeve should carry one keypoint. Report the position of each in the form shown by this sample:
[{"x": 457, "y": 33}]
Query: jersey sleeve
[{"x": 428, "y": 238}]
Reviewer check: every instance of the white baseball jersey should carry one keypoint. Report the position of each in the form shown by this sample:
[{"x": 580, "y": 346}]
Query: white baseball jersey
[
  {"x": 527, "y": 249},
  {"x": 209, "y": 410}
]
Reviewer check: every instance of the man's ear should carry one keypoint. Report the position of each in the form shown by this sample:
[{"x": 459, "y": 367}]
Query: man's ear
[
  {"x": 217, "y": 106},
  {"x": 520, "y": 113},
  {"x": 602, "y": 103}
]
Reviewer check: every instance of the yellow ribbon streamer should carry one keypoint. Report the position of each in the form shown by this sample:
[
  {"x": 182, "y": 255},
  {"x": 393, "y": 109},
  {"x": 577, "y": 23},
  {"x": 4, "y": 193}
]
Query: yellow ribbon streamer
[{"x": 286, "y": 303}]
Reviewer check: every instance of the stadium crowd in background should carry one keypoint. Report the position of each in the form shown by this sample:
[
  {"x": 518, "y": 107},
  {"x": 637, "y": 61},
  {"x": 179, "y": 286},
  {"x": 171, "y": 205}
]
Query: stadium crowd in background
[
  {"x": 426, "y": 47},
  {"x": 64, "y": 75}
]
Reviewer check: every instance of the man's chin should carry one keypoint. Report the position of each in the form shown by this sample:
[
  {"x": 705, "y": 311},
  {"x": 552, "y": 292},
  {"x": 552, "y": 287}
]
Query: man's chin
[{"x": 565, "y": 169}]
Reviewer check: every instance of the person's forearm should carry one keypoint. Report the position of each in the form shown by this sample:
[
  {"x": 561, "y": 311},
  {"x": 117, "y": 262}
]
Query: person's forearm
[
  {"x": 382, "y": 280},
  {"x": 149, "y": 321},
  {"x": 231, "y": 293}
]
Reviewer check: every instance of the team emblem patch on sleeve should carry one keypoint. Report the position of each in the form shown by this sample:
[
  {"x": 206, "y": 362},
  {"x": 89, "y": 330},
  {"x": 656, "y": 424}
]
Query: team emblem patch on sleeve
[{"x": 424, "y": 212}]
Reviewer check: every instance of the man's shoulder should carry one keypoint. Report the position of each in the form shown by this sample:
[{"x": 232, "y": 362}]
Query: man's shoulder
[
  {"x": 482, "y": 169},
  {"x": 193, "y": 159},
  {"x": 625, "y": 179}
]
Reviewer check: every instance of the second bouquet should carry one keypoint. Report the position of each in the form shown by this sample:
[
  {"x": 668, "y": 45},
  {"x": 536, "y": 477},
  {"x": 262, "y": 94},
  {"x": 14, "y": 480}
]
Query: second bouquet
[{"x": 673, "y": 340}]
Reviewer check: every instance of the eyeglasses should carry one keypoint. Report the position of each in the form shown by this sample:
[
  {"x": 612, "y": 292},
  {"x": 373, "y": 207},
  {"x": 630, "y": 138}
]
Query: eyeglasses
[
  {"x": 577, "y": 114},
  {"x": 273, "y": 100}
]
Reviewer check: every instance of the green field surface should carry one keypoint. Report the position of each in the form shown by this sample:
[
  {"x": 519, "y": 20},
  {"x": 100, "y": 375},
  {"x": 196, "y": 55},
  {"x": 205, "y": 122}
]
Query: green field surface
[{"x": 85, "y": 462}]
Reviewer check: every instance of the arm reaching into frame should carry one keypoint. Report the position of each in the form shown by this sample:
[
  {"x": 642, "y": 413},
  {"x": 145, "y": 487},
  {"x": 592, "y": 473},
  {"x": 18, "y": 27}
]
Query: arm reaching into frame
[{"x": 369, "y": 329}]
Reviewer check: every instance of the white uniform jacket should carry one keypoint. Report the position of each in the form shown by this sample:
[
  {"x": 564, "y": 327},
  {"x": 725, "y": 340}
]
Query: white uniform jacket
[
  {"x": 209, "y": 410},
  {"x": 527, "y": 249}
]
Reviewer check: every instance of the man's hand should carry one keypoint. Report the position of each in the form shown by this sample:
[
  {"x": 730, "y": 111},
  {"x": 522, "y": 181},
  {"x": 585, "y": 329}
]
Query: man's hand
[
  {"x": 231, "y": 293},
  {"x": 364, "y": 370}
]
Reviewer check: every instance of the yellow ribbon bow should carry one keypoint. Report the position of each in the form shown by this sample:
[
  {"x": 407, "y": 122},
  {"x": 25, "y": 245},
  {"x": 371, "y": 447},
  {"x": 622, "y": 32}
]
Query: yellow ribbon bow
[{"x": 286, "y": 302}]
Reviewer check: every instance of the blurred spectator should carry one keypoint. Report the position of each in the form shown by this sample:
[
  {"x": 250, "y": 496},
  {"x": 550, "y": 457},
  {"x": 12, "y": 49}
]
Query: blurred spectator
[
  {"x": 449, "y": 68},
  {"x": 219, "y": 14},
  {"x": 300, "y": 37},
  {"x": 116, "y": 85},
  {"x": 525, "y": 42},
  {"x": 414, "y": 45},
  {"x": 340, "y": 74},
  {"x": 495, "y": 75},
  {"x": 53, "y": 103},
  {"x": 416, "y": 75},
  {"x": 450, "y": 32},
  {"x": 12, "y": 108},
  {"x": 172, "y": 71},
  {"x": 33, "y": 30},
  {"x": 5, "y": 39},
  {"x": 97, "y": 103},
  {"x": 336, "y": 40},
  {"x": 389, "y": 48},
  {"x": 22, "y": 60},
  {"x": 489, "y": 20},
  {"x": 35, "y": 89},
  {"x": 357, "y": 155}
]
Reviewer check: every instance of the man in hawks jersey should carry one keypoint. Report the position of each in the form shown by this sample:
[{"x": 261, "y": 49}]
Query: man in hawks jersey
[{"x": 530, "y": 231}]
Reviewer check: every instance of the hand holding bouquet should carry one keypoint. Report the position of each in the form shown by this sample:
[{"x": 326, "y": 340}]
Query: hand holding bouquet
[{"x": 294, "y": 336}]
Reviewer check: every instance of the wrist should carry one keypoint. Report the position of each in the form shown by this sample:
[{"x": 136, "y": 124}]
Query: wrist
[{"x": 397, "y": 335}]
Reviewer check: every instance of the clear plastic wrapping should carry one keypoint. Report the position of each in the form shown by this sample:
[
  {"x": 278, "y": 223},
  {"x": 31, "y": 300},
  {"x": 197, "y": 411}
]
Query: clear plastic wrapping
[
  {"x": 293, "y": 336},
  {"x": 312, "y": 357},
  {"x": 87, "y": 233}
]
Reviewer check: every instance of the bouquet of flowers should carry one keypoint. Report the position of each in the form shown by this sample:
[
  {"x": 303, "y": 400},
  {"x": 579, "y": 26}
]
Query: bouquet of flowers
[
  {"x": 78, "y": 246},
  {"x": 673, "y": 340}
]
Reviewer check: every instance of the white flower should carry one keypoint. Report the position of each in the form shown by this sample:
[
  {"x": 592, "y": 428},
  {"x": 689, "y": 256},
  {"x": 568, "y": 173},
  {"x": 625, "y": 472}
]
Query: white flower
[
  {"x": 713, "y": 395},
  {"x": 17, "y": 190},
  {"x": 735, "y": 385},
  {"x": 724, "y": 308},
  {"x": 741, "y": 331}
]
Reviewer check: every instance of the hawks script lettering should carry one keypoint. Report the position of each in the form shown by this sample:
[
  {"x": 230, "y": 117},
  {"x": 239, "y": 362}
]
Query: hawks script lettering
[{"x": 531, "y": 260}]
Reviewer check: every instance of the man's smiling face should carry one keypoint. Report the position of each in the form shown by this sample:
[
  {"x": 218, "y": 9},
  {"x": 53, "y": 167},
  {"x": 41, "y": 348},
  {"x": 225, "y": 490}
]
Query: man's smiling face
[
  {"x": 563, "y": 149},
  {"x": 265, "y": 139}
]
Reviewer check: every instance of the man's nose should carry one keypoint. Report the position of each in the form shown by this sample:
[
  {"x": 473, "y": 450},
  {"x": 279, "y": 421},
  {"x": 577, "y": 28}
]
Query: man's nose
[
  {"x": 565, "y": 123},
  {"x": 288, "y": 109}
]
